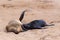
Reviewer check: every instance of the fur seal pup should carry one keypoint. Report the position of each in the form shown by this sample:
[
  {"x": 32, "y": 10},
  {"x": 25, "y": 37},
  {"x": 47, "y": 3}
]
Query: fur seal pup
[{"x": 17, "y": 26}]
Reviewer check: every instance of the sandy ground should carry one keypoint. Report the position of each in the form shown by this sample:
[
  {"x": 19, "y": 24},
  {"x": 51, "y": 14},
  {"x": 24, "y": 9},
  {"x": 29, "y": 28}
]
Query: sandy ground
[{"x": 48, "y": 10}]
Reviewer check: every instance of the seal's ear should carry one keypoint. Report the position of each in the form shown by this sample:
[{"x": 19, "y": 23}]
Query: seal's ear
[{"x": 22, "y": 15}]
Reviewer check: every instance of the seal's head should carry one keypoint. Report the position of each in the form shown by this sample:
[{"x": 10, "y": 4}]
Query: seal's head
[{"x": 14, "y": 26}]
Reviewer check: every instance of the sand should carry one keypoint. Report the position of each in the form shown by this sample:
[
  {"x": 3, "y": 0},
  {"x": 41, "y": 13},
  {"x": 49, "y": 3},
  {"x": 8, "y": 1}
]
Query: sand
[{"x": 48, "y": 10}]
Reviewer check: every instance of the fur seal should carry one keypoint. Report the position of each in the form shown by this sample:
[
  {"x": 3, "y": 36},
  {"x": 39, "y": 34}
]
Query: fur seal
[{"x": 17, "y": 26}]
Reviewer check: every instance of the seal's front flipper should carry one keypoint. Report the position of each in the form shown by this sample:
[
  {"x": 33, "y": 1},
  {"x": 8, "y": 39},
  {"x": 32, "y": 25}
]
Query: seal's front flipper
[{"x": 22, "y": 15}]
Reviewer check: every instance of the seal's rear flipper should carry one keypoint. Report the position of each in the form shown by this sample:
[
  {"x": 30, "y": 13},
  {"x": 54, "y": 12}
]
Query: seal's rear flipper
[
  {"x": 22, "y": 15},
  {"x": 50, "y": 25}
]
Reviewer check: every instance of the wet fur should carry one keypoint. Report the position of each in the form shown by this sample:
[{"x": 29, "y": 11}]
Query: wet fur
[{"x": 36, "y": 24}]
